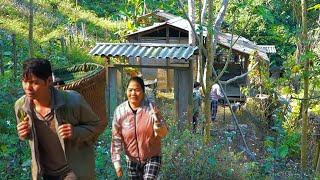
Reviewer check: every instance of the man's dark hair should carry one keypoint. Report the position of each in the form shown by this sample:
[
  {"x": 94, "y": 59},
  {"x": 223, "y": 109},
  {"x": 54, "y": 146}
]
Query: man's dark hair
[
  {"x": 139, "y": 80},
  {"x": 39, "y": 67},
  {"x": 196, "y": 84}
]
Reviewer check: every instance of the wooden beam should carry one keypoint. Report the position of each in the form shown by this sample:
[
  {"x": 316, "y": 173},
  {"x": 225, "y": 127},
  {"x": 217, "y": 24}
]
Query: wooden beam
[
  {"x": 181, "y": 100},
  {"x": 176, "y": 66},
  {"x": 107, "y": 63}
]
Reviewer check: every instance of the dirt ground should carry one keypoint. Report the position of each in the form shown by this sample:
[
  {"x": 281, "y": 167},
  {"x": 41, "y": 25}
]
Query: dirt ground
[
  {"x": 253, "y": 126},
  {"x": 254, "y": 129}
]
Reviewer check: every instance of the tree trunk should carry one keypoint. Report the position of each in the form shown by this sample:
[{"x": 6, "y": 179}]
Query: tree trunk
[
  {"x": 192, "y": 41},
  {"x": 30, "y": 42},
  {"x": 202, "y": 9},
  {"x": 305, "y": 102},
  {"x": 144, "y": 7},
  {"x": 14, "y": 58},
  {"x": 1, "y": 61},
  {"x": 211, "y": 47},
  {"x": 209, "y": 63}
]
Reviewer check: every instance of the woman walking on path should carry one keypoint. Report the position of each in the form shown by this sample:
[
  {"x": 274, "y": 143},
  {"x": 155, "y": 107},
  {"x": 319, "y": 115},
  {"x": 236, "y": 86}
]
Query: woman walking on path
[{"x": 138, "y": 129}]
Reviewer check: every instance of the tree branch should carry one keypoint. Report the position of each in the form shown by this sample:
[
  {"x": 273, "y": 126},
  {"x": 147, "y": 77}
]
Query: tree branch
[{"x": 238, "y": 77}]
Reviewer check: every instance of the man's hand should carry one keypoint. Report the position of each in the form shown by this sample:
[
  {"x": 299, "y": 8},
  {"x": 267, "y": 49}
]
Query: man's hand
[
  {"x": 119, "y": 172},
  {"x": 65, "y": 131},
  {"x": 24, "y": 128}
]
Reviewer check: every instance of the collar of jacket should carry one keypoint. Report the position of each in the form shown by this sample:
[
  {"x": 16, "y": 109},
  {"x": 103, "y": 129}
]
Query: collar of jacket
[
  {"x": 58, "y": 100},
  {"x": 144, "y": 104}
]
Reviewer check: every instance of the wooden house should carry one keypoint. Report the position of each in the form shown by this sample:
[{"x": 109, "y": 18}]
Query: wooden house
[{"x": 171, "y": 29}]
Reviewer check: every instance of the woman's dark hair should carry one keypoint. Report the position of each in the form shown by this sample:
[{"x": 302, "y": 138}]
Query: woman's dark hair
[
  {"x": 139, "y": 80},
  {"x": 39, "y": 67}
]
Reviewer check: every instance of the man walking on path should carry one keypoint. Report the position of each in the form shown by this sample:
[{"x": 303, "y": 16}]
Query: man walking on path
[
  {"x": 197, "y": 99},
  {"x": 60, "y": 126}
]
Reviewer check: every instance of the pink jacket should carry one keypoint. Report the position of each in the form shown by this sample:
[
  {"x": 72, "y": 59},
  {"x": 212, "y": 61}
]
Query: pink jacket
[{"x": 134, "y": 133}]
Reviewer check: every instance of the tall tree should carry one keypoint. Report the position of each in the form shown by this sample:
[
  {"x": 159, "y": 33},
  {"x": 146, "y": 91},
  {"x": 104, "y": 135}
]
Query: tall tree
[
  {"x": 305, "y": 103},
  {"x": 14, "y": 57},
  {"x": 31, "y": 52},
  {"x": 192, "y": 41},
  {"x": 213, "y": 30}
]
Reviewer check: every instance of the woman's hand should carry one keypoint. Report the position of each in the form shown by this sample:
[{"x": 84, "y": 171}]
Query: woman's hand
[
  {"x": 65, "y": 131},
  {"x": 155, "y": 112},
  {"x": 24, "y": 128},
  {"x": 119, "y": 172}
]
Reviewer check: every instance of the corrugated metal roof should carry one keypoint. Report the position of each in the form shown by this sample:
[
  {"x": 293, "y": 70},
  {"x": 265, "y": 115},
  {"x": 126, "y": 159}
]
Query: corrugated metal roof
[
  {"x": 150, "y": 50},
  {"x": 178, "y": 22},
  {"x": 159, "y": 13},
  {"x": 268, "y": 48},
  {"x": 242, "y": 45}
]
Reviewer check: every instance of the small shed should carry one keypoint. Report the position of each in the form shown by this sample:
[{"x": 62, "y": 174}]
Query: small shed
[
  {"x": 171, "y": 29},
  {"x": 176, "y": 57}
]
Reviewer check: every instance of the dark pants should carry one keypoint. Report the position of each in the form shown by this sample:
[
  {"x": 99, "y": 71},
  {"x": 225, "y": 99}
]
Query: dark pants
[
  {"x": 67, "y": 176},
  {"x": 195, "y": 121},
  {"x": 214, "y": 108},
  {"x": 148, "y": 170}
]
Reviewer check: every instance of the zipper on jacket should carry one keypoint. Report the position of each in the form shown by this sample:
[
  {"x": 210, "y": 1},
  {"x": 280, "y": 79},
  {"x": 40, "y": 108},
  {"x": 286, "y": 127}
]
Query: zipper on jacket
[
  {"x": 36, "y": 149},
  {"x": 135, "y": 131}
]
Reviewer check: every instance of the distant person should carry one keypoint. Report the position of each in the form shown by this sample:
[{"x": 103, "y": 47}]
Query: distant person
[
  {"x": 138, "y": 129},
  {"x": 197, "y": 99},
  {"x": 57, "y": 82},
  {"x": 60, "y": 126},
  {"x": 215, "y": 95}
]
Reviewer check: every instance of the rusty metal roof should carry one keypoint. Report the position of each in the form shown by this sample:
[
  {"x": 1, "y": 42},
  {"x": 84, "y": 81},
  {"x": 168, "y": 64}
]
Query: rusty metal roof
[{"x": 150, "y": 50}]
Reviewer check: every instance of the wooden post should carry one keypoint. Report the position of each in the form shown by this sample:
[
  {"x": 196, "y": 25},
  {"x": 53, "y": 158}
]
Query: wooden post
[
  {"x": 1, "y": 61},
  {"x": 30, "y": 39},
  {"x": 114, "y": 89},
  {"x": 190, "y": 91},
  {"x": 176, "y": 99},
  {"x": 167, "y": 60},
  {"x": 107, "y": 63},
  {"x": 83, "y": 27},
  {"x": 14, "y": 58},
  {"x": 138, "y": 61},
  {"x": 63, "y": 45},
  {"x": 316, "y": 165},
  {"x": 181, "y": 84},
  {"x": 168, "y": 75}
]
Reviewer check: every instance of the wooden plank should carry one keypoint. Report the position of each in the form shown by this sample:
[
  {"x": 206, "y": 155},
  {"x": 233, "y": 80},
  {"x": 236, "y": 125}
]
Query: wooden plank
[
  {"x": 189, "y": 87},
  {"x": 107, "y": 62},
  {"x": 181, "y": 101},
  {"x": 114, "y": 90}
]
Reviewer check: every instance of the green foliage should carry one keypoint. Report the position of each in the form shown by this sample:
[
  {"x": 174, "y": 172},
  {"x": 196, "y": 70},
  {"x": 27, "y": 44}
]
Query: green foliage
[
  {"x": 184, "y": 154},
  {"x": 279, "y": 147},
  {"x": 14, "y": 154},
  {"x": 259, "y": 76}
]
